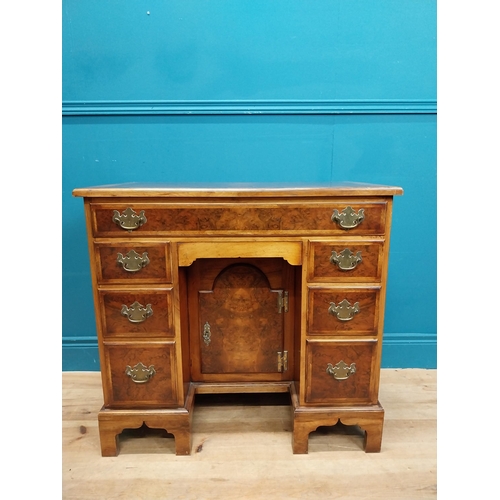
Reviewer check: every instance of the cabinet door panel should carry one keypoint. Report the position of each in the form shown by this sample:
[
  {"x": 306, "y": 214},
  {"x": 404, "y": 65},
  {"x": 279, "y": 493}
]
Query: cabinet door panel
[
  {"x": 246, "y": 327},
  {"x": 237, "y": 325}
]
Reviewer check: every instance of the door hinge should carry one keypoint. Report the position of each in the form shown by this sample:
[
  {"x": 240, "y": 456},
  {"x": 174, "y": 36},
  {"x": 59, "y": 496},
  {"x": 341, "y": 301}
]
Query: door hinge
[
  {"x": 282, "y": 301},
  {"x": 282, "y": 361}
]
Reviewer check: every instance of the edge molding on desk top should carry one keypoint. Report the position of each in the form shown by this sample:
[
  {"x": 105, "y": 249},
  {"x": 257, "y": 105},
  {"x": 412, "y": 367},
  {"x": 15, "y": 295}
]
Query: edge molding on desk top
[{"x": 223, "y": 190}]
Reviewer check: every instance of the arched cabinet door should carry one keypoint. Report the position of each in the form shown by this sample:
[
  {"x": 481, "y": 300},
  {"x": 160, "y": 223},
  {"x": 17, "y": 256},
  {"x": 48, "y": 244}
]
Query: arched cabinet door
[{"x": 239, "y": 319}]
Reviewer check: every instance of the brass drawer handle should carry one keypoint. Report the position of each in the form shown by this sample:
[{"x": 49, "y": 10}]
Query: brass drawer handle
[
  {"x": 140, "y": 374},
  {"x": 346, "y": 260},
  {"x": 132, "y": 262},
  {"x": 348, "y": 218},
  {"x": 344, "y": 311},
  {"x": 341, "y": 371},
  {"x": 137, "y": 313},
  {"x": 129, "y": 220}
]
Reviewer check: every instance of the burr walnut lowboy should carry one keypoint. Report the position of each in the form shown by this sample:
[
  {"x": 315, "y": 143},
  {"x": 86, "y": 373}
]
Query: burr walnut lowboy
[{"x": 238, "y": 289}]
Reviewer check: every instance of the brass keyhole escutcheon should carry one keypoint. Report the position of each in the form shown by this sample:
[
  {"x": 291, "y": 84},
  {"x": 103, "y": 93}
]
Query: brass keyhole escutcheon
[{"x": 207, "y": 334}]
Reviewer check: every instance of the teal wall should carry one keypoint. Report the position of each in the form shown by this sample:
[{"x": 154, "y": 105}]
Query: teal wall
[{"x": 255, "y": 90}]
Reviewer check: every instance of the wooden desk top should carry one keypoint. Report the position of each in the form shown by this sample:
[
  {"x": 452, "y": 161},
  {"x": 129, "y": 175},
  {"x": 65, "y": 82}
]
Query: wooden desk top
[{"x": 238, "y": 190}]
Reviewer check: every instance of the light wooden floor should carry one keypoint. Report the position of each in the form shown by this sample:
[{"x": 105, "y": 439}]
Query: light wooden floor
[{"x": 242, "y": 450}]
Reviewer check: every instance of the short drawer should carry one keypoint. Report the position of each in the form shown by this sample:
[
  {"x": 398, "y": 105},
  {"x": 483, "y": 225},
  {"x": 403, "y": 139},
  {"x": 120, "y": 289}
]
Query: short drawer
[
  {"x": 140, "y": 374},
  {"x": 150, "y": 219},
  {"x": 341, "y": 372},
  {"x": 343, "y": 310},
  {"x": 348, "y": 261},
  {"x": 129, "y": 263},
  {"x": 137, "y": 313}
]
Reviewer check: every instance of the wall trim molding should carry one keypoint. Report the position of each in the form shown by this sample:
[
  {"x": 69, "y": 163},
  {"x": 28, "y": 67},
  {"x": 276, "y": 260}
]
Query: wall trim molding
[
  {"x": 87, "y": 341},
  {"x": 410, "y": 338},
  {"x": 248, "y": 107}
]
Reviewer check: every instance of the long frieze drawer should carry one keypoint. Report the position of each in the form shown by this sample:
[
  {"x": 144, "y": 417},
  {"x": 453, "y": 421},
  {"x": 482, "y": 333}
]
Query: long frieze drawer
[
  {"x": 360, "y": 261},
  {"x": 140, "y": 374},
  {"x": 138, "y": 313},
  {"x": 340, "y": 372},
  {"x": 130, "y": 262},
  {"x": 147, "y": 219},
  {"x": 343, "y": 310}
]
